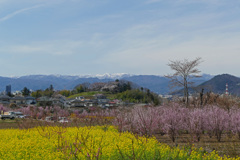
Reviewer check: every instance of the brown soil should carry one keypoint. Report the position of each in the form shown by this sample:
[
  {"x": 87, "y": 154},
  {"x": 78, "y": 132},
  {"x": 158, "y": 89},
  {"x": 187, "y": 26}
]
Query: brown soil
[
  {"x": 7, "y": 124},
  {"x": 229, "y": 144}
]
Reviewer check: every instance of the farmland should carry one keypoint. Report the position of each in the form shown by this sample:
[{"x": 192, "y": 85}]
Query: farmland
[
  {"x": 204, "y": 130},
  {"x": 88, "y": 143}
]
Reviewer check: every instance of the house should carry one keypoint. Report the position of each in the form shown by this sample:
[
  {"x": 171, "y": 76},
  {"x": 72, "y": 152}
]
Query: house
[
  {"x": 77, "y": 103},
  {"x": 118, "y": 102},
  {"x": 91, "y": 103},
  {"x": 30, "y": 100},
  {"x": 100, "y": 96},
  {"x": 112, "y": 104},
  {"x": 67, "y": 103},
  {"x": 44, "y": 101},
  {"x": 103, "y": 102},
  {"x": 80, "y": 98},
  {"x": 58, "y": 100},
  {"x": 18, "y": 100},
  {"x": 5, "y": 100}
]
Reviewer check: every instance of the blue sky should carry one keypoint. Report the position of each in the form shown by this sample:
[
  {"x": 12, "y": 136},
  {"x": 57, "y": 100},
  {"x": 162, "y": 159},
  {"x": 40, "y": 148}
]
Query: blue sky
[{"x": 77, "y": 37}]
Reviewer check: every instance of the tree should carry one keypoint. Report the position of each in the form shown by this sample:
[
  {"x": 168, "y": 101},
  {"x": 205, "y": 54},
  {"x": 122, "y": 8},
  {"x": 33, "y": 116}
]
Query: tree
[
  {"x": 37, "y": 93},
  {"x": 48, "y": 92},
  {"x": 65, "y": 93},
  {"x": 51, "y": 87},
  {"x": 80, "y": 89},
  {"x": 184, "y": 71},
  {"x": 25, "y": 91},
  {"x": 10, "y": 94}
]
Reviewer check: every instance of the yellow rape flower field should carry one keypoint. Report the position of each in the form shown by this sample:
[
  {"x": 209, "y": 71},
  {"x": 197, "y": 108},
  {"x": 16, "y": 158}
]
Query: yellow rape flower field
[{"x": 88, "y": 143}]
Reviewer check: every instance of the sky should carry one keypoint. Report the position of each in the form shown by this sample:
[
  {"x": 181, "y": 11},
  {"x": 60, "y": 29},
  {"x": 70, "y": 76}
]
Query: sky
[{"x": 78, "y": 37}]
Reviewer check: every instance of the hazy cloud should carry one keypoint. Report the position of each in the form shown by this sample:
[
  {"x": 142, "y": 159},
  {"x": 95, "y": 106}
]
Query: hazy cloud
[{"x": 57, "y": 47}]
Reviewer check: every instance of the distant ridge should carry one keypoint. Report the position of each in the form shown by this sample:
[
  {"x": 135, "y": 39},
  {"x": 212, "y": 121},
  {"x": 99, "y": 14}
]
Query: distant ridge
[{"x": 218, "y": 84}]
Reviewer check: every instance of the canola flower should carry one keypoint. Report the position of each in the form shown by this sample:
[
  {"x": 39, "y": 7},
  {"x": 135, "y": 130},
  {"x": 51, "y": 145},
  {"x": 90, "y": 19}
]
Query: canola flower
[{"x": 89, "y": 143}]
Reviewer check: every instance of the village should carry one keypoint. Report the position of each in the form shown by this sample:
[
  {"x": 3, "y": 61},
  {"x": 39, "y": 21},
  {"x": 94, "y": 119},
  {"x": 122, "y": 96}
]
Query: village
[{"x": 19, "y": 100}]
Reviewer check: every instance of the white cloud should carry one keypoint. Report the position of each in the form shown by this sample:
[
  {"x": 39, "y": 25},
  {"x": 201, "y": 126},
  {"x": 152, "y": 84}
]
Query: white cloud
[{"x": 18, "y": 12}]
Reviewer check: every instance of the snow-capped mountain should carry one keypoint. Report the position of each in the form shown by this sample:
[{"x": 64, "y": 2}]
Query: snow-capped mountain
[
  {"x": 74, "y": 77},
  {"x": 111, "y": 76}
]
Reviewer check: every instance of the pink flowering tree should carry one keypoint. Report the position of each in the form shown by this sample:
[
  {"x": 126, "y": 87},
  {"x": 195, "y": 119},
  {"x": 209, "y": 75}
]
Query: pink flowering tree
[
  {"x": 195, "y": 123},
  {"x": 145, "y": 120},
  {"x": 174, "y": 120},
  {"x": 3, "y": 109},
  {"x": 216, "y": 121},
  {"x": 235, "y": 121}
]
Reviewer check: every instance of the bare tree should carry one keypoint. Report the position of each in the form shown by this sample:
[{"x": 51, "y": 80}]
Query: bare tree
[{"x": 184, "y": 71}]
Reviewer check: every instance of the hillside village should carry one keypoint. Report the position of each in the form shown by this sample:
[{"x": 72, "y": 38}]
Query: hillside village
[
  {"x": 59, "y": 100},
  {"x": 102, "y": 95}
]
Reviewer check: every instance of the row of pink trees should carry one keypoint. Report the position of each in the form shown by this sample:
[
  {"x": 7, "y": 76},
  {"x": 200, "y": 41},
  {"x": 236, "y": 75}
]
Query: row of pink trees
[
  {"x": 39, "y": 112},
  {"x": 172, "y": 120},
  {"x": 175, "y": 120},
  {"x": 42, "y": 112}
]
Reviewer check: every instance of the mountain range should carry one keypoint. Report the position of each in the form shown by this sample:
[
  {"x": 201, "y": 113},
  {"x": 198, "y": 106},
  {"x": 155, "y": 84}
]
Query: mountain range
[{"x": 156, "y": 83}]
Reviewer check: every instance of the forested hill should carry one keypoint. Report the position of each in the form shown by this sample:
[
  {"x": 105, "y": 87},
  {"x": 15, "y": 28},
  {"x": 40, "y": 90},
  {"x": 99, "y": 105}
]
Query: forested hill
[{"x": 218, "y": 84}]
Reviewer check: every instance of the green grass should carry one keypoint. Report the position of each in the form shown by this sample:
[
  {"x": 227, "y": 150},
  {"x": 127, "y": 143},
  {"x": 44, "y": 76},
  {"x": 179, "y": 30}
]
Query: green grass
[{"x": 86, "y": 94}]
